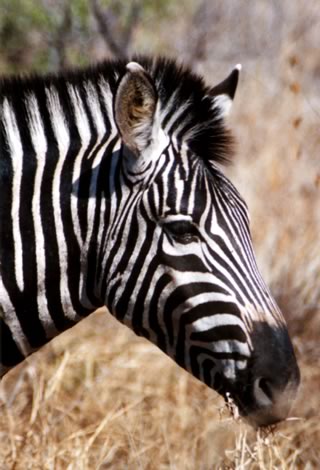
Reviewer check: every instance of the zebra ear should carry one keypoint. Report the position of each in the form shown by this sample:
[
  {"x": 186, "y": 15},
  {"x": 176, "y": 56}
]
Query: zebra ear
[
  {"x": 224, "y": 92},
  {"x": 135, "y": 105}
]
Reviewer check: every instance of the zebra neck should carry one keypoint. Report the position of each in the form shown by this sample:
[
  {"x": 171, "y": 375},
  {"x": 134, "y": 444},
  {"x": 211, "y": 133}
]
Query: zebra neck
[{"x": 54, "y": 169}]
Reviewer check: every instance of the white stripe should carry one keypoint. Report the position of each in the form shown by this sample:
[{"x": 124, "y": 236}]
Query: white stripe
[
  {"x": 193, "y": 192},
  {"x": 63, "y": 139},
  {"x": 16, "y": 152},
  {"x": 165, "y": 174},
  {"x": 176, "y": 218},
  {"x": 108, "y": 100},
  {"x": 179, "y": 184},
  {"x": 9, "y": 315},
  {"x": 39, "y": 143},
  {"x": 213, "y": 321},
  {"x": 94, "y": 105},
  {"x": 224, "y": 346},
  {"x": 85, "y": 135}
]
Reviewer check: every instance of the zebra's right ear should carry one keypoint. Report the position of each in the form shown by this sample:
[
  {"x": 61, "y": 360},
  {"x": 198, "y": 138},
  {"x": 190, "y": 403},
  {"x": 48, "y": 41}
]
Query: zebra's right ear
[{"x": 135, "y": 106}]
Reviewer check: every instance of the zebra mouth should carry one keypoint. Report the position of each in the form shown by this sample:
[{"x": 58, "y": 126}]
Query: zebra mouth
[
  {"x": 238, "y": 393},
  {"x": 260, "y": 402}
]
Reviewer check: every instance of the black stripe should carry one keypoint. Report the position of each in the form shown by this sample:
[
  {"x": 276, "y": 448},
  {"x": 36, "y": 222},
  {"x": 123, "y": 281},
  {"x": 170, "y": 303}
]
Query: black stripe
[
  {"x": 158, "y": 289},
  {"x": 220, "y": 333},
  {"x": 200, "y": 311},
  {"x": 180, "y": 295},
  {"x": 10, "y": 355},
  {"x": 104, "y": 192}
]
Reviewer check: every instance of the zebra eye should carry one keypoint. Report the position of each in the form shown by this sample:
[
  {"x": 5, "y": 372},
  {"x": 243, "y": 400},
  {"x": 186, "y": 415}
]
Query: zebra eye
[{"x": 182, "y": 231}]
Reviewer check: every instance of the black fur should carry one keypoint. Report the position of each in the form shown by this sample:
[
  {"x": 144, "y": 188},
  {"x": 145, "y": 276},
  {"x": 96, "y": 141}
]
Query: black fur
[{"x": 209, "y": 137}]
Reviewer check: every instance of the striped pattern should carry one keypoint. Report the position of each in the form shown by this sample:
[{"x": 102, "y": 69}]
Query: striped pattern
[{"x": 165, "y": 243}]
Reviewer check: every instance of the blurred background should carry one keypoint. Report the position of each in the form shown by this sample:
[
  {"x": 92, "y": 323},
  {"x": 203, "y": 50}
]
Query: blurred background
[{"x": 99, "y": 397}]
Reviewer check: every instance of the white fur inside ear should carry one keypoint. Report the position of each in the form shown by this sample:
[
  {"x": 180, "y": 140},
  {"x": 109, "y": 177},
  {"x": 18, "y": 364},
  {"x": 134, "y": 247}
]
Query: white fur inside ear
[
  {"x": 224, "y": 103},
  {"x": 134, "y": 67}
]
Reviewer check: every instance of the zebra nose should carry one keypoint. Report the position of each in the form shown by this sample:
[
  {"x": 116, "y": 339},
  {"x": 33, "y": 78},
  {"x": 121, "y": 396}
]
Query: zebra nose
[
  {"x": 275, "y": 376},
  {"x": 273, "y": 399}
]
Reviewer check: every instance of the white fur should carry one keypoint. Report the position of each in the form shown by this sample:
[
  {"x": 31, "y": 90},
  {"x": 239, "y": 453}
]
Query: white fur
[
  {"x": 224, "y": 103},
  {"x": 16, "y": 152}
]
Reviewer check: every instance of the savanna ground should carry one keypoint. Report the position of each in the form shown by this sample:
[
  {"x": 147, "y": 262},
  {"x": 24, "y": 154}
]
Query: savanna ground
[{"x": 98, "y": 397}]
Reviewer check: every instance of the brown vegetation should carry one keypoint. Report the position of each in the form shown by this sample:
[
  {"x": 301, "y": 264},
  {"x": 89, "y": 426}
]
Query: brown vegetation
[{"x": 98, "y": 397}]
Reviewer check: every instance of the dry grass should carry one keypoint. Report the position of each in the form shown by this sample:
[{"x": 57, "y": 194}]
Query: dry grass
[{"x": 98, "y": 397}]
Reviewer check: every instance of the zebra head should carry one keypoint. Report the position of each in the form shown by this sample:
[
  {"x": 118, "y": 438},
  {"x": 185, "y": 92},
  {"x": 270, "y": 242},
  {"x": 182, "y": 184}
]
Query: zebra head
[{"x": 184, "y": 273}]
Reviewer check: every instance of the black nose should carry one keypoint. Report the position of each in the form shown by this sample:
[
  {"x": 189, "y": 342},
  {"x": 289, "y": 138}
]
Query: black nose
[{"x": 275, "y": 377}]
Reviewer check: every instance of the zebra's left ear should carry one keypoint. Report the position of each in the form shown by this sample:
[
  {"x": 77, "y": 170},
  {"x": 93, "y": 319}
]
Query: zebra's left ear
[
  {"x": 135, "y": 106},
  {"x": 224, "y": 92}
]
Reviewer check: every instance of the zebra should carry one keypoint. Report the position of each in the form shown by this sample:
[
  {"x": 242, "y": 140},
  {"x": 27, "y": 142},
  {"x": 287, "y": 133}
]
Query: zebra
[{"x": 112, "y": 193}]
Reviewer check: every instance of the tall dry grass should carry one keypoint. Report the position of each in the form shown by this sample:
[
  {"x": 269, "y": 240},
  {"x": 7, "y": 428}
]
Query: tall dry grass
[{"x": 98, "y": 397}]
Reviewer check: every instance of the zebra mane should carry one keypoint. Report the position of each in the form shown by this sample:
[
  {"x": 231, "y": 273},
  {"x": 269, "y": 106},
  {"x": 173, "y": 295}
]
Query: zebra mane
[
  {"x": 188, "y": 111},
  {"x": 198, "y": 120}
]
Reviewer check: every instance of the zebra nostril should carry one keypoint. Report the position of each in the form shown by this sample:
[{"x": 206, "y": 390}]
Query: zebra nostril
[
  {"x": 262, "y": 390},
  {"x": 265, "y": 386},
  {"x": 272, "y": 399}
]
